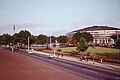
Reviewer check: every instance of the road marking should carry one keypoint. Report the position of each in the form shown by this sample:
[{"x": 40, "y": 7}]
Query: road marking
[{"x": 89, "y": 70}]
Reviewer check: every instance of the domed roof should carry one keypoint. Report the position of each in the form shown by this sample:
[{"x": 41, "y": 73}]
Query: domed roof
[{"x": 93, "y": 28}]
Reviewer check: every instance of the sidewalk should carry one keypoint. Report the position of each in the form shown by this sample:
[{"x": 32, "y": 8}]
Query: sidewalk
[{"x": 108, "y": 66}]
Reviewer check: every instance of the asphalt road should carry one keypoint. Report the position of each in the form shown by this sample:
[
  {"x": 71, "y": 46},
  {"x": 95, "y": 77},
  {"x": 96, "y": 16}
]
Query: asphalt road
[{"x": 88, "y": 71}]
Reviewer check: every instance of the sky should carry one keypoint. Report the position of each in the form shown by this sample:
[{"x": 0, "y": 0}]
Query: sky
[{"x": 57, "y": 17}]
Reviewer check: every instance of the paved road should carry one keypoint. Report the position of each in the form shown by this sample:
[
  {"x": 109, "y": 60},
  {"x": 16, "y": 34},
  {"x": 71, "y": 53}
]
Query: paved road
[
  {"x": 16, "y": 66},
  {"x": 88, "y": 71}
]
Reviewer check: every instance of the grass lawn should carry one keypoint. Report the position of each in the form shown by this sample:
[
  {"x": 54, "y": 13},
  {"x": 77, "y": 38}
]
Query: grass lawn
[
  {"x": 66, "y": 49},
  {"x": 95, "y": 51}
]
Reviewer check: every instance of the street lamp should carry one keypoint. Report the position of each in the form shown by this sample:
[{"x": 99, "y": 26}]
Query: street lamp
[
  {"x": 50, "y": 42},
  {"x": 28, "y": 43},
  {"x": 28, "y": 46}
]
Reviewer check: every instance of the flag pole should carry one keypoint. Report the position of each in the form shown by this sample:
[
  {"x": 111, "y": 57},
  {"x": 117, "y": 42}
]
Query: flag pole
[{"x": 28, "y": 43}]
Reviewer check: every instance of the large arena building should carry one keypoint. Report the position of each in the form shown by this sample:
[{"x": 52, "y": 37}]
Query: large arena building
[{"x": 101, "y": 34}]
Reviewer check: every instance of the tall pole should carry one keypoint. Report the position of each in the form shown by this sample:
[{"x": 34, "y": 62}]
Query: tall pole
[
  {"x": 50, "y": 42},
  {"x": 14, "y": 28},
  {"x": 28, "y": 43}
]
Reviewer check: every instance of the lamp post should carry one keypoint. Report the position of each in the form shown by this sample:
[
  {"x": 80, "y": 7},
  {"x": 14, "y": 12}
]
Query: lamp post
[
  {"x": 29, "y": 51},
  {"x": 28, "y": 43},
  {"x": 50, "y": 42}
]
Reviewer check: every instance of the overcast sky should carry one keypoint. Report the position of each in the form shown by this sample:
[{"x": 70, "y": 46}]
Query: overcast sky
[{"x": 57, "y": 17}]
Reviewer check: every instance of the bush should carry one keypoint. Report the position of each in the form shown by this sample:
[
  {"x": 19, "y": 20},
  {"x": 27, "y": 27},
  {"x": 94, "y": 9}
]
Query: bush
[
  {"x": 88, "y": 53},
  {"x": 48, "y": 49},
  {"x": 59, "y": 50},
  {"x": 41, "y": 49},
  {"x": 105, "y": 58}
]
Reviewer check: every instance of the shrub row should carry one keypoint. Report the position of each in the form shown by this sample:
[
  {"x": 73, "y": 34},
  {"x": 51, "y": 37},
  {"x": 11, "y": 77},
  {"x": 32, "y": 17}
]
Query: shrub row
[
  {"x": 105, "y": 58},
  {"x": 41, "y": 49}
]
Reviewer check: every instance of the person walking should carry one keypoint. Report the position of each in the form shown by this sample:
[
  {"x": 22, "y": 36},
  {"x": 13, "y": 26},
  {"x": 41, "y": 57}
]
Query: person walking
[{"x": 62, "y": 54}]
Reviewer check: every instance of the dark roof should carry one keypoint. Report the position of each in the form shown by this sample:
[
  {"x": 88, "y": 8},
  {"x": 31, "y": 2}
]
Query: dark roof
[{"x": 93, "y": 28}]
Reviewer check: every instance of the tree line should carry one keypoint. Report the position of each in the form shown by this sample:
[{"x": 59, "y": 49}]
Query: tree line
[{"x": 21, "y": 38}]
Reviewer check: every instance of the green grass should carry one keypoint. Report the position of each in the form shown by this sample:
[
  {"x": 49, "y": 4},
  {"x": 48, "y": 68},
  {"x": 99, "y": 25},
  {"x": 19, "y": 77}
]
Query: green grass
[
  {"x": 102, "y": 50},
  {"x": 95, "y": 51},
  {"x": 67, "y": 49}
]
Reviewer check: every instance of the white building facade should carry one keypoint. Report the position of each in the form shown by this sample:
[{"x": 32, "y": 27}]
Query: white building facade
[{"x": 101, "y": 34}]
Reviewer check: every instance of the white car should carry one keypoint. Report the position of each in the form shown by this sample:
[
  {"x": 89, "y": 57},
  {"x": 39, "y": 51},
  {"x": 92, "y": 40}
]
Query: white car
[
  {"x": 51, "y": 55},
  {"x": 30, "y": 52}
]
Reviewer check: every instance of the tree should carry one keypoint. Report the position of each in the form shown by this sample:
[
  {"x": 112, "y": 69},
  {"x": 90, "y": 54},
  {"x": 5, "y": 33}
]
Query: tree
[
  {"x": 22, "y": 37},
  {"x": 88, "y": 37},
  {"x": 77, "y": 36},
  {"x": 117, "y": 44},
  {"x": 15, "y": 39},
  {"x": 32, "y": 39},
  {"x": 0, "y": 40},
  {"x": 114, "y": 36},
  {"x": 42, "y": 39},
  {"x": 6, "y": 39},
  {"x": 62, "y": 39},
  {"x": 82, "y": 46}
]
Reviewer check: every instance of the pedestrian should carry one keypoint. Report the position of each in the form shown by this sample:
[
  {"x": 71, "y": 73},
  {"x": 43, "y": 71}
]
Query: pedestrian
[
  {"x": 62, "y": 54},
  {"x": 81, "y": 58},
  {"x": 93, "y": 60},
  {"x": 49, "y": 56},
  {"x": 101, "y": 60},
  {"x": 93, "y": 63},
  {"x": 54, "y": 51},
  {"x": 58, "y": 54},
  {"x": 85, "y": 58},
  {"x": 12, "y": 49}
]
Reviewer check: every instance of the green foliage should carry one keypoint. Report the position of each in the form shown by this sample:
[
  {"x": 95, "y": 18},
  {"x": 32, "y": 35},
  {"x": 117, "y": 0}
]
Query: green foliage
[
  {"x": 42, "y": 39},
  {"x": 22, "y": 37},
  {"x": 82, "y": 46},
  {"x": 32, "y": 39},
  {"x": 59, "y": 50},
  {"x": 117, "y": 43},
  {"x": 53, "y": 39},
  {"x": 41, "y": 49},
  {"x": 62, "y": 39},
  {"x": 77, "y": 36},
  {"x": 66, "y": 49},
  {"x": 5, "y": 39},
  {"x": 114, "y": 36},
  {"x": 0, "y": 40},
  {"x": 15, "y": 38}
]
